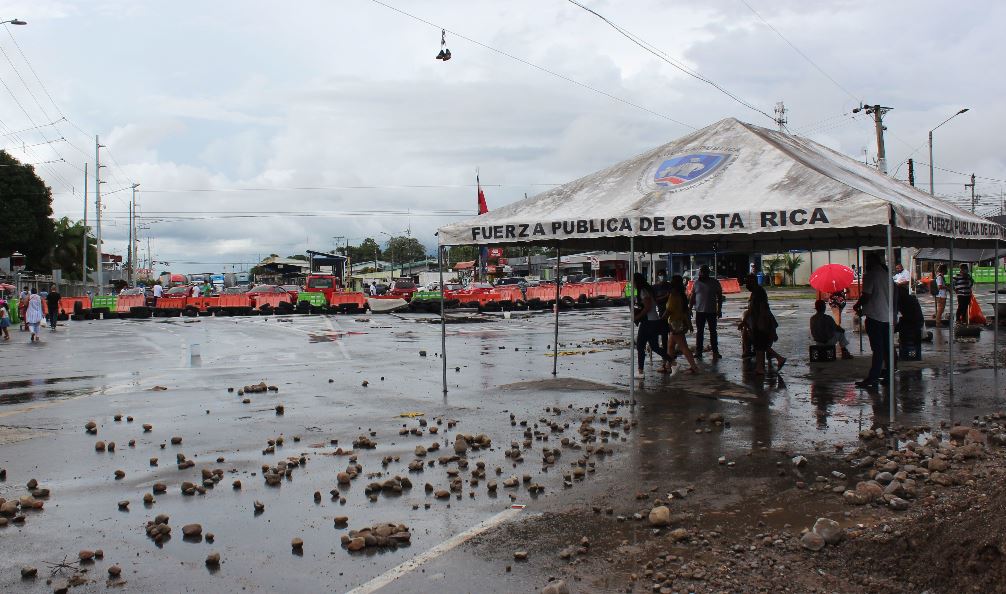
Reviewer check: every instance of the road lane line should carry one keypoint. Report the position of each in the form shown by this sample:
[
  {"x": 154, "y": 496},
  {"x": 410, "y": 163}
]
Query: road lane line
[{"x": 394, "y": 573}]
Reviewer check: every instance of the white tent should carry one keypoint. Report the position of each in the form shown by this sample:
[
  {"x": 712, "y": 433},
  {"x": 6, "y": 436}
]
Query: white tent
[{"x": 731, "y": 186}]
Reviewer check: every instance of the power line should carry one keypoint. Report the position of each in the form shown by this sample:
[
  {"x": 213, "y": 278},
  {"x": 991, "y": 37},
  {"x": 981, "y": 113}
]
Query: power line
[
  {"x": 535, "y": 66},
  {"x": 991, "y": 179},
  {"x": 802, "y": 55},
  {"x": 664, "y": 57},
  {"x": 355, "y": 187}
]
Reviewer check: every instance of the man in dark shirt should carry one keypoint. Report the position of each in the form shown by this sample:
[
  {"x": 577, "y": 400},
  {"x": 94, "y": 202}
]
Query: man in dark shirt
[
  {"x": 911, "y": 320},
  {"x": 52, "y": 302},
  {"x": 824, "y": 330}
]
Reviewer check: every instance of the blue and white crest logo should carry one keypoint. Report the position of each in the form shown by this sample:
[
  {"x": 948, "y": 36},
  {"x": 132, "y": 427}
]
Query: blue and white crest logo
[{"x": 686, "y": 169}]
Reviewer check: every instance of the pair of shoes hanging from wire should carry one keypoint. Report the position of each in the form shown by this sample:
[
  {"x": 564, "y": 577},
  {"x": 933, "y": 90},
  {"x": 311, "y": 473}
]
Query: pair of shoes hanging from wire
[{"x": 445, "y": 53}]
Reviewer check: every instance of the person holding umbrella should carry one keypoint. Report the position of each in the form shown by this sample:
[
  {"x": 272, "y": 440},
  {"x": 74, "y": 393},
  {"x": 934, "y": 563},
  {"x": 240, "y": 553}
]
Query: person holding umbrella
[{"x": 833, "y": 280}]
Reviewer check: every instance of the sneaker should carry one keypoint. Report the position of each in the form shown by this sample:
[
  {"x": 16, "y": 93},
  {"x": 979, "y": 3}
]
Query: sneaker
[
  {"x": 717, "y": 356},
  {"x": 867, "y": 384}
]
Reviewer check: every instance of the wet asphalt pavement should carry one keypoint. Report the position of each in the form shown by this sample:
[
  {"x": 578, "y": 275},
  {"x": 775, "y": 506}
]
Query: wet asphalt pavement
[{"x": 94, "y": 370}]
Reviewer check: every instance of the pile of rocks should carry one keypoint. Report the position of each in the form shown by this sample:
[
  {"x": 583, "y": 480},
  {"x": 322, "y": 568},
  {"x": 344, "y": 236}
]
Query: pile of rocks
[
  {"x": 379, "y": 535},
  {"x": 158, "y": 529},
  {"x": 258, "y": 388}
]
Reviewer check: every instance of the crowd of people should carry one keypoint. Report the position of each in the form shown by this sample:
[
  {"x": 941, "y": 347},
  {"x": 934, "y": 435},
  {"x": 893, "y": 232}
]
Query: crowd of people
[
  {"x": 664, "y": 314},
  {"x": 34, "y": 308}
]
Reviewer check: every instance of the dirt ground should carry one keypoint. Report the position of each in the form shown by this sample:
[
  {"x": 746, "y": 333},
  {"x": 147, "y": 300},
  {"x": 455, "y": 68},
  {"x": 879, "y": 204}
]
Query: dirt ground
[{"x": 950, "y": 539}]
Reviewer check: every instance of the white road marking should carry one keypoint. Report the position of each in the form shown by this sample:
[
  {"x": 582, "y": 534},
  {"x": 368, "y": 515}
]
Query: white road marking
[{"x": 394, "y": 573}]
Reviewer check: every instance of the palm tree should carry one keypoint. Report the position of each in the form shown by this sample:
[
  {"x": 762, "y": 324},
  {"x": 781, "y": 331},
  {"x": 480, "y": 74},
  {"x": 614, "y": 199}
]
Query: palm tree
[
  {"x": 66, "y": 253},
  {"x": 771, "y": 266},
  {"x": 791, "y": 262}
]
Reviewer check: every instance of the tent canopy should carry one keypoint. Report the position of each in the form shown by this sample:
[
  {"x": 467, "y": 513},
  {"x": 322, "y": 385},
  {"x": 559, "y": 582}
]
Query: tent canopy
[
  {"x": 730, "y": 186},
  {"x": 965, "y": 255}
]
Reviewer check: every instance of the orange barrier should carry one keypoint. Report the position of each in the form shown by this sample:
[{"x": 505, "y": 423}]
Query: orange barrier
[
  {"x": 66, "y": 304},
  {"x": 541, "y": 293},
  {"x": 510, "y": 293},
  {"x": 480, "y": 297},
  {"x": 125, "y": 302},
  {"x": 575, "y": 291},
  {"x": 203, "y": 303},
  {"x": 172, "y": 304},
  {"x": 609, "y": 289},
  {"x": 227, "y": 301},
  {"x": 730, "y": 285},
  {"x": 357, "y": 299},
  {"x": 271, "y": 299}
]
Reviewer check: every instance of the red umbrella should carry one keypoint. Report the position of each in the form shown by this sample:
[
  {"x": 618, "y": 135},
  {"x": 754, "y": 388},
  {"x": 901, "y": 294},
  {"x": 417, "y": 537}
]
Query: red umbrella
[
  {"x": 831, "y": 277},
  {"x": 6, "y": 287}
]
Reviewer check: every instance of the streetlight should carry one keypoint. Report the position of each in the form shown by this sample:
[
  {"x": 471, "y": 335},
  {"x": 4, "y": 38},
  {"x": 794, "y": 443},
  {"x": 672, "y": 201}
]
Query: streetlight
[
  {"x": 932, "y": 192},
  {"x": 392, "y": 249},
  {"x": 14, "y": 22}
]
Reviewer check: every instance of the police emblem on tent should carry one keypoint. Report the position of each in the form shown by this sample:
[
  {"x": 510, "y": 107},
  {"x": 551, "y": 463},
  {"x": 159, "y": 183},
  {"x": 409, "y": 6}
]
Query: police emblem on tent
[{"x": 687, "y": 169}]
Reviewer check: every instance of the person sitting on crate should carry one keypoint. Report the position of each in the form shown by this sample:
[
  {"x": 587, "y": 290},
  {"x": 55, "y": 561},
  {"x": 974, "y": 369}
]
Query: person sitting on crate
[
  {"x": 910, "y": 317},
  {"x": 825, "y": 331}
]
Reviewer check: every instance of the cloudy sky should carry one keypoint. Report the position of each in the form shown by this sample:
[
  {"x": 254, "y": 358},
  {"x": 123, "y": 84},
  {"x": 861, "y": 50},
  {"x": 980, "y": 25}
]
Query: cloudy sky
[{"x": 261, "y": 127}]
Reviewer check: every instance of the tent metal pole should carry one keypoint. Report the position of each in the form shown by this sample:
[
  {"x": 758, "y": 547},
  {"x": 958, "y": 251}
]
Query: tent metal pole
[
  {"x": 859, "y": 271},
  {"x": 995, "y": 331},
  {"x": 632, "y": 334},
  {"x": 953, "y": 317},
  {"x": 443, "y": 318},
  {"x": 555, "y": 341},
  {"x": 890, "y": 327}
]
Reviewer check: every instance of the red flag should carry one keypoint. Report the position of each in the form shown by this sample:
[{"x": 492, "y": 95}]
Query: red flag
[{"x": 483, "y": 207}]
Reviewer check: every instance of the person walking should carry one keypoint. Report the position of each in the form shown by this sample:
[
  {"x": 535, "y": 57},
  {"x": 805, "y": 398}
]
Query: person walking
[
  {"x": 679, "y": 321},
  {"x": 4, "y": 319},
  {"x": 872, "y": 304},
  {"x": 158, "y": 291},
  {"x": 195, "y": 290},
  {"x": 34, "y": 314},
  {"x": 761, "y": 327},
  {"x": 963, "y": 288},
  {"x": 22, "y": 309},
  {"x": 52, "y": 303},
  {"x": 661, "y": 290},
  {"x": 645, "y": 314},
  {"x": 707, "y": 301},
  {"x": 940, "y": 292}
]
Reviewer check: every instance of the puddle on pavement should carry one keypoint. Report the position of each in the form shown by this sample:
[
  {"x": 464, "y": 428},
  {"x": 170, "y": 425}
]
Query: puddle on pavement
[
  {"x": 333, "y": 336},
  {"x": 12, "y": 385}
]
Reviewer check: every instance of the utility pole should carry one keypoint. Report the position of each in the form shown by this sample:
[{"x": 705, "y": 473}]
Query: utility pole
[
  {"x": 131, "y": 250},
  {"x": 911, "y": 172},
  {"x": 97, "y": 208},
  {"x": 878, "y": 112},
  {"x": 780, "y": 116},
  {"x": 972, "y": 186},
  {"x": 83, "y": 270}
]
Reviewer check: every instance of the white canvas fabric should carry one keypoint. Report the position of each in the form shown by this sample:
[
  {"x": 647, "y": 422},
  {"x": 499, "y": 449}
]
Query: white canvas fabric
[{"x": 731, "y": 186}]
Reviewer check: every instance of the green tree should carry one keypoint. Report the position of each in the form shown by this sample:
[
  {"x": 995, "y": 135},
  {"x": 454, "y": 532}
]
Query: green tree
[
  {"x": 67, "y": 247},
  {"x": 790, "y": 263},
  {"x": 405, "y": 249},
  {"x": 771, "y": 266},
  {"x": 367, "y": 251},
  {"x": 462, "y": 253},
  {"x": 26, "y": 225}
]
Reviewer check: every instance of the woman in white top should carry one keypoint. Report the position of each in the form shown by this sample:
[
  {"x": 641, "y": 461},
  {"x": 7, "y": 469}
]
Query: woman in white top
[
  {"x": 940, "y": 296},
  {"x": 34, "y": 314}
]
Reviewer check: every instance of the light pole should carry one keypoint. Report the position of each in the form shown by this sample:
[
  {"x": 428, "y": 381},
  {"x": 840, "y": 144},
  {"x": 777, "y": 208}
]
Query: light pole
[
  {"x": 932, "y": 191},
  {"x": 14, "y": 22},
  {"x": 391, "y": 247}
]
